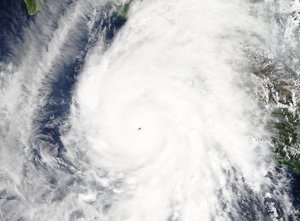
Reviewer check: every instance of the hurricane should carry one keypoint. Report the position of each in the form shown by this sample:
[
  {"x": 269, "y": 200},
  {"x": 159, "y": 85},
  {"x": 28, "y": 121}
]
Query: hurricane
[{"x": 150, "y": 110}]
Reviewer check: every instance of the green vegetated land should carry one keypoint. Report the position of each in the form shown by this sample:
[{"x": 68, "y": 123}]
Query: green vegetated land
[
  {"x": 121, "y": 8},
  {"x": 282, "y": 88},
  {"x": 33, "y": 6}
]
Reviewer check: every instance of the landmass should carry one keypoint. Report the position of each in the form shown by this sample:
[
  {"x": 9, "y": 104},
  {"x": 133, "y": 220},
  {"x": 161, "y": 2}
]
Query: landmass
[
  {"x": 282, "y": 97},
  {"x": 33, "y": 6}
]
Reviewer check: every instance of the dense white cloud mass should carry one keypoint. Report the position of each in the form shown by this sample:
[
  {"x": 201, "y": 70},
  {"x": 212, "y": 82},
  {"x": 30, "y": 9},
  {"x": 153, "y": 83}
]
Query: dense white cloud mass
[
  {"x": 162, "y": 124},
  {"x": 164, "y": 106}
]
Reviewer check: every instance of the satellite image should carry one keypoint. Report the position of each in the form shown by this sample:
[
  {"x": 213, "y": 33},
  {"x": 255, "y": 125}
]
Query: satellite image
[{"x": 149, "y": 110}]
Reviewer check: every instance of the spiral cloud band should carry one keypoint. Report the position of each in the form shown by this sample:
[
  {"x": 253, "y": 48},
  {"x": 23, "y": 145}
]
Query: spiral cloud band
[{"x": 164, "y": 107}]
